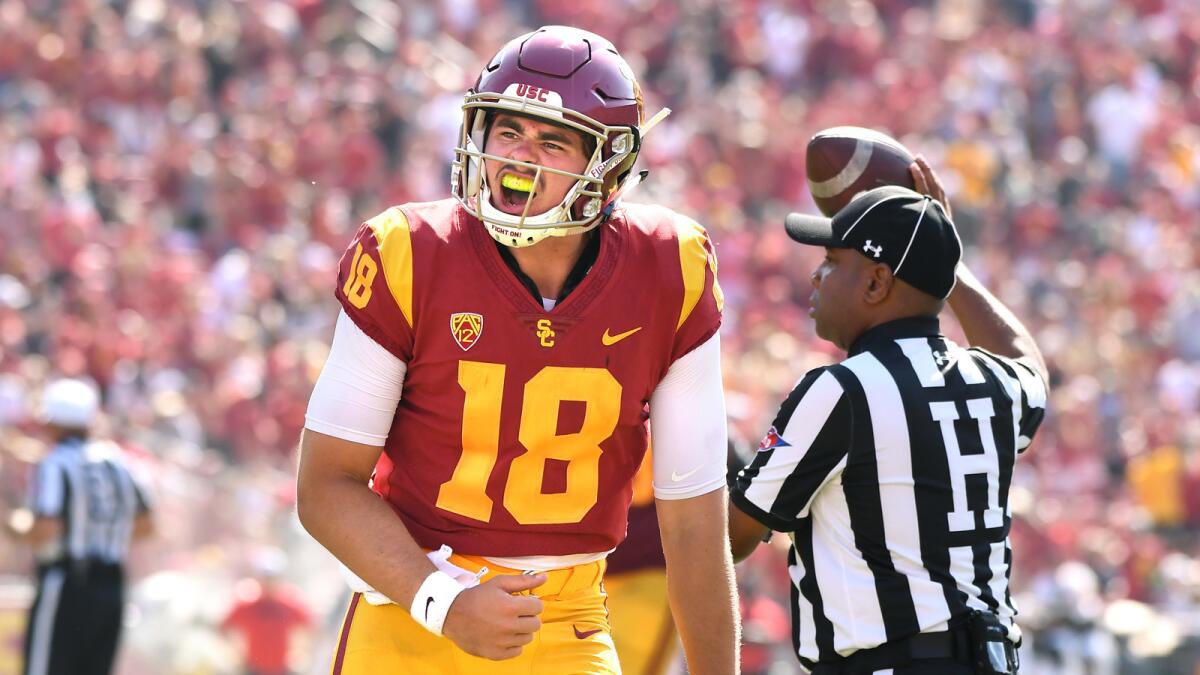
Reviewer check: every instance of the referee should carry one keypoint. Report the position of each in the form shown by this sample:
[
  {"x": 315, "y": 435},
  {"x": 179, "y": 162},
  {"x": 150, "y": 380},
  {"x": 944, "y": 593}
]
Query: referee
[
  {"x": 83, "y": 509},
  {"x": 891, "y": 469}
]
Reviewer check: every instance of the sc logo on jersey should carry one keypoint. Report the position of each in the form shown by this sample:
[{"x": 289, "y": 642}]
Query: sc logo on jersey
[{"x": 545, "y": 333}]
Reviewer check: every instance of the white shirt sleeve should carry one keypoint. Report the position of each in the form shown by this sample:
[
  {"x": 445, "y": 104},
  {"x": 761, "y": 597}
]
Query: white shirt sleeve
[
  {"x": 356, "y": 395},
  {"x": 46, "y": 498},
  {"x": 687, "y": 425}
]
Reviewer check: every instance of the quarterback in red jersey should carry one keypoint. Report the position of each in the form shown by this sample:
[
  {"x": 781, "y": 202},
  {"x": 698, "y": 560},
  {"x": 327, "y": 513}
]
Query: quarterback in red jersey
[{"x": 499, "y": 361}]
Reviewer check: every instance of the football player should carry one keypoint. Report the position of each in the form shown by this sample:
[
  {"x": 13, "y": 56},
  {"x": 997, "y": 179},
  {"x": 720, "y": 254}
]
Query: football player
[{"x": 470, "y": 445}]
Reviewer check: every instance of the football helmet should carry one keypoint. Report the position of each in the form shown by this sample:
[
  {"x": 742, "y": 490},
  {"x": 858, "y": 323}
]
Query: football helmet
[{"x": 569, "y": 77}]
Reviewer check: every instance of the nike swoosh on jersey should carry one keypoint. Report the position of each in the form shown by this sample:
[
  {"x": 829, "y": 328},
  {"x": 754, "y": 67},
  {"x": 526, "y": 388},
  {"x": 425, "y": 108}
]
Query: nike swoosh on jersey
[
  {"x": 583, "y": 635},
  {"x": 610, "y": 340},
  {"x": 678, "y": 477}
]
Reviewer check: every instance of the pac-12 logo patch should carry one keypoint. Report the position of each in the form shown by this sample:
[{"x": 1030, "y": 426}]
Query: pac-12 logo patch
[
  {"x": 772, "y": 440},
  {"x": 466, "y": 327}
]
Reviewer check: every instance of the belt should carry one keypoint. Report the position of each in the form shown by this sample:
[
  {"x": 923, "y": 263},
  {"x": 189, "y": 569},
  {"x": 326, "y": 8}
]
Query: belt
[
  {"x": 79, "y": 571},
  {"x": 559, "y": 582},
  {"x": 951, "y": 644}
]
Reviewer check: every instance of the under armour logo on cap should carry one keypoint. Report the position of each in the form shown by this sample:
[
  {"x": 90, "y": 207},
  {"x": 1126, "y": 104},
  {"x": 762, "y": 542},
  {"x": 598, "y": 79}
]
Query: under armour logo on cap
[{"x": 893, "y": 225}]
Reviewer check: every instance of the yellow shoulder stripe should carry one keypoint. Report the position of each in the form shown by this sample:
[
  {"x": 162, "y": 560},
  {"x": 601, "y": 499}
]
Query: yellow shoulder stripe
[
  {"x": 693, "y": 260},
  {"x": 395, "y": 251}
]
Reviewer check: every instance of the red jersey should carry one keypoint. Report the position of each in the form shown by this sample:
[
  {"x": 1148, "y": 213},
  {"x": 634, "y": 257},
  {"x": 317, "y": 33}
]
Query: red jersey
[{"x": 519, "y": 430}]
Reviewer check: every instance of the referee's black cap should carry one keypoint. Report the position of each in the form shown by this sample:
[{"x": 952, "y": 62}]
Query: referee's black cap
[{"x": 908, "y": 231}]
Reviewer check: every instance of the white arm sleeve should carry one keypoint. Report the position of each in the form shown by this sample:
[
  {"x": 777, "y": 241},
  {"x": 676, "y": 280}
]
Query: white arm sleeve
[
  {"x": 687, "y": 425},
  {"x": 356, "y": 395}
]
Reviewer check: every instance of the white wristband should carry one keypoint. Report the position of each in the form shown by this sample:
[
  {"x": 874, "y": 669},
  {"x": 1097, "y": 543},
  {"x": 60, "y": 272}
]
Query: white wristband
[{"x": 433, "y": 599}]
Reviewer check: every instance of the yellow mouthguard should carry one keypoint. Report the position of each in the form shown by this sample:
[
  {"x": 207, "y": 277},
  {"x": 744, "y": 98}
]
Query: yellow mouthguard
[{"x": 513, "y": 182}]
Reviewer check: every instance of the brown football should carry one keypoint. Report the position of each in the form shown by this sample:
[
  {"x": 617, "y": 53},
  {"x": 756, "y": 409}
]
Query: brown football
[{"x": 843, "y": 161}]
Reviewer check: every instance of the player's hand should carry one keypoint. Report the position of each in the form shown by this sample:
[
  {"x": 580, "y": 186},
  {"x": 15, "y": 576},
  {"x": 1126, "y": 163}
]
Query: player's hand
[
  {"x": 928, "y": 183},
  {"x": 489, "y": 621}
]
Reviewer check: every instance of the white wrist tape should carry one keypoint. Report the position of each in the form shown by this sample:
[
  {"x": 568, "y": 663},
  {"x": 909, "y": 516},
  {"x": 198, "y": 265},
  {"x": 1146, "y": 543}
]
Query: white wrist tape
[{"x": 433, "y": 599}]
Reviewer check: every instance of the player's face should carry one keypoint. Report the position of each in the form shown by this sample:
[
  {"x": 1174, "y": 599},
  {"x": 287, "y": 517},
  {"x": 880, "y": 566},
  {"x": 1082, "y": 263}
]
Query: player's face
[
  {"x": 537, "y": 142},
  {"x": 835, "y": 304}
]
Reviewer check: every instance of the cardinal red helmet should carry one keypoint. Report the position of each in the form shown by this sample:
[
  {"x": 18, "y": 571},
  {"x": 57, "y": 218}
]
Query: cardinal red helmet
[{"x": 569, "y": 77}]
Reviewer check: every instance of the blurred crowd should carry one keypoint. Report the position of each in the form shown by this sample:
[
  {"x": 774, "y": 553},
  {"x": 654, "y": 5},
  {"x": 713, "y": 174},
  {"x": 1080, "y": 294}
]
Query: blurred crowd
[{"x": 178, "y": 179}]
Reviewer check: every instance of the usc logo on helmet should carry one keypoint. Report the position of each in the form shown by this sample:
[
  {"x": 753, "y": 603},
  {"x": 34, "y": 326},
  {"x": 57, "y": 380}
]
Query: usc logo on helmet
[{"x": 538, "y": 94}]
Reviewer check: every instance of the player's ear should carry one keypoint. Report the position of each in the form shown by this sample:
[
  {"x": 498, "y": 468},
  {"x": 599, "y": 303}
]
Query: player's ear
[{"x": 880, "y": 281}]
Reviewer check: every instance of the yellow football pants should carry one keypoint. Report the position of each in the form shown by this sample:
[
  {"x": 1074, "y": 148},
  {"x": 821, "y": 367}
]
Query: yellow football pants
[
  {"x": 575, "y": 637},
  {"x": 641, "y": 619}
]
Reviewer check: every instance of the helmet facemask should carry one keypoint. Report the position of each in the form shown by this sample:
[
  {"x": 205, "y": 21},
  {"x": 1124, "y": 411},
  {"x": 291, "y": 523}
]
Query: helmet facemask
[{"x": 585, "y": 203}]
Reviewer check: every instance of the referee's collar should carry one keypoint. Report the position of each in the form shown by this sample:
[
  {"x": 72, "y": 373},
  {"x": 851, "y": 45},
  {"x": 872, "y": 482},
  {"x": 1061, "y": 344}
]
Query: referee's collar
[
  {"x": 71, "y": 443},
  {"x": 913, "y": 326}
]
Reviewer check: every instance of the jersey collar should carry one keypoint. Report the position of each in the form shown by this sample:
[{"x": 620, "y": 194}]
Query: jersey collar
[
  {"x": 591, "y": 251},
  {"x": 913, "y": 326}
]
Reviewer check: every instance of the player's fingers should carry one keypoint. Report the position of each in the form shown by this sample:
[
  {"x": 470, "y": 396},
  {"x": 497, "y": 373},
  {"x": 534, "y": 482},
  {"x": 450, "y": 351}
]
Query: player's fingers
[
  {"x": 527, "y": 605},
  {"x": 505, "y": 653},
  {"x": 527, "y": 625},
  {"x": 515, "y": 583},
  {"x": 520, "y": 640}
]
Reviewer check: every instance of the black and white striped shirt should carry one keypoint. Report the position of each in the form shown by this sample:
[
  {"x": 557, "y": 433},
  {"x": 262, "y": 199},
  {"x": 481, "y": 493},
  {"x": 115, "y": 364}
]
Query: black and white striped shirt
[
  {"x": 891, "y": 471},
  {"x": 88, "y": 486}
]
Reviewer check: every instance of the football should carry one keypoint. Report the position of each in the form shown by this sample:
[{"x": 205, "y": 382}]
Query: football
[{"x": 843, "y": 161}]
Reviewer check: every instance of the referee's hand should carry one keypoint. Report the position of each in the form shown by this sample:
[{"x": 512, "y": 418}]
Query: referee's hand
[
  {"x": 927, "y": 182},
  {"x": 493, "y": 620}
]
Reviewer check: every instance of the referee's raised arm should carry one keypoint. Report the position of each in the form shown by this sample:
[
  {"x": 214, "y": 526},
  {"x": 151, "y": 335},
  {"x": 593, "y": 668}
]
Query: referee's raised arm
[
  {"x": 989, "y": 324},
  {"x": 985, "y": 320}
]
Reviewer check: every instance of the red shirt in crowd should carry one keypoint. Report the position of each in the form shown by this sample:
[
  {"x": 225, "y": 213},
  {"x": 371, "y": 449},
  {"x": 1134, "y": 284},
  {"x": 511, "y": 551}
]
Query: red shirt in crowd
[{"x": 267, "y": 621}]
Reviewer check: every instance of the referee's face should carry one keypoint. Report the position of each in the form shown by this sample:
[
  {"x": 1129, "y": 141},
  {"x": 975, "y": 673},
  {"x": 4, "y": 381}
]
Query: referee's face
[{"x": 836, "y": 304}]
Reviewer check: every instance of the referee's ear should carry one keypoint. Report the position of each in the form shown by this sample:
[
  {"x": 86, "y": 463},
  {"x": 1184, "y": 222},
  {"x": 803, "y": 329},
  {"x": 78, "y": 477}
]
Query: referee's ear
[{"x": 880, "y": 282}]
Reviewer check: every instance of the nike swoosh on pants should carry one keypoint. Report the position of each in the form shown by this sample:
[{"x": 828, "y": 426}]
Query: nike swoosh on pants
[{"x": 583, "y": 635}]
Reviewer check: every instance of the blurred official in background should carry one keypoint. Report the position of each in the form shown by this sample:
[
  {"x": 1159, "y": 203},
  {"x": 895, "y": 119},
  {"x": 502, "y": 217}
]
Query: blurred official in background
[
  {"x": 83, "y": 509},
  {"x": 891, "y": 469}
]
